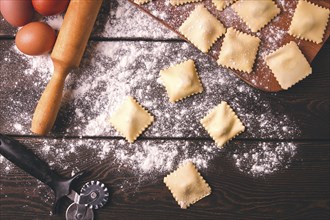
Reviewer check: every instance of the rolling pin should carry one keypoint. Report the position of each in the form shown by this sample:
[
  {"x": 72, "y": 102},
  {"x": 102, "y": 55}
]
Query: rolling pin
[{"x": 66, "y": 55}]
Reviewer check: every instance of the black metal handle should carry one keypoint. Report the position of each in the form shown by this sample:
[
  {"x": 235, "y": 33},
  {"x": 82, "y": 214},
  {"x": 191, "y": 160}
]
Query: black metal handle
[
  {"x": 29, "y": 162},
  {"x": 25, "y": 159}
]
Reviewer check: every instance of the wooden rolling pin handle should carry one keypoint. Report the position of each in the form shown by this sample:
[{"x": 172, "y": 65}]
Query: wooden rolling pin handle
[
  {"x": 67, "y": 53},
  {"x": 49, "y": 104}
]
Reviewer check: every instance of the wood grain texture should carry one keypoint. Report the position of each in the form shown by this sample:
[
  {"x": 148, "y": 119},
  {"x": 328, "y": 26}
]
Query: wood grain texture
[
  {"x": 235, "y": 195},
  {"x": 262, "y": 77},
  {"x": 112, "y": 24},
  {"x": 298, "y": 192},
  {"x": 306, "y": 104}
]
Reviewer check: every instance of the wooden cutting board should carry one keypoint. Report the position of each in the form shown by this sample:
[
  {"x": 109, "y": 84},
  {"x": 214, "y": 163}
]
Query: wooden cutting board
[{"x": 273, "y": 36}]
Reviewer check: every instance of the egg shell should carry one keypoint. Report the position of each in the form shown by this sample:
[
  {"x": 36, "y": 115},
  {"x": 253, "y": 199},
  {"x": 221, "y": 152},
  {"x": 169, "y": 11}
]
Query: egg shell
[
  {"x": 50, "y": 7},
  {"x": 17, "y": 12},
  {"x": 35, "y": 38}
]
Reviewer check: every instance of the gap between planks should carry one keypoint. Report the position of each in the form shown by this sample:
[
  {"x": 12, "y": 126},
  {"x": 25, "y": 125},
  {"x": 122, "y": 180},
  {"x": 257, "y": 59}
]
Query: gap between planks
[
  {"x": 276, "y": 140},
  {"x": 119, "y": 39}
]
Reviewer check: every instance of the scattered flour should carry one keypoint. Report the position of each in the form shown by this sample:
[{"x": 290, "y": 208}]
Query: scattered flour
[
  {"x": 137, "y": 24},
  {"x": 54, "y": 21},
  {"x": 265, "y": 158},
  {"x": 111, "y": 70},
  {"x": 149, "y": 157}
]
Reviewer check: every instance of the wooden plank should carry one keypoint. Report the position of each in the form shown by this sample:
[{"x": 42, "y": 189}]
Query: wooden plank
[
  {"x": 300, "y": 191},
  {"x": 112, "y": 70},
  {"x": 274, "y": 35},
  {"x": 117, "y": 19}
]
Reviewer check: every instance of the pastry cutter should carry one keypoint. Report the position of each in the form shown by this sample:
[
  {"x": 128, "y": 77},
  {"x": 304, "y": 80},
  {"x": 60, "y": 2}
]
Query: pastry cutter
[{"x": 93, "y": 194}]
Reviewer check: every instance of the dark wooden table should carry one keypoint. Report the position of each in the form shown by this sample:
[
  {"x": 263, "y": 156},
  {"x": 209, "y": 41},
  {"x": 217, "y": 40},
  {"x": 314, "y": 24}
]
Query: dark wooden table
[{"x": 300, "y": 191}]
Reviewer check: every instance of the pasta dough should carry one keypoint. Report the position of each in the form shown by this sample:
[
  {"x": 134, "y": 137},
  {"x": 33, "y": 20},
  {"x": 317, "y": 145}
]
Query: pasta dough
[
  {"x": 222, "y": 124},
  {"x": 181, "y": 2},
  {"x": 140, "y": 2},
  {"x": 181, "y": 81},
  {"x": 222, "y": 4},
  {"x": 255, "y": 13},
  {"x": 131, "y": 119},
  {"x": 288, "y": 65},
  {"x": 202, "y": 29},
  {"x": 238, "y": 50},
  {"x": 309, "y": 22},
  {"x": 187, "y": 185}
]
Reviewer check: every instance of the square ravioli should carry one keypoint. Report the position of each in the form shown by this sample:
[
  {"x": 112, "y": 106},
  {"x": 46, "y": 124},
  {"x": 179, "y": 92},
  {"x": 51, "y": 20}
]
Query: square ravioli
[
  {"x": 288, "y": 65},
  {"x": 140, "y": 2},
  {"x": 131, "y": 119},
  {"x": 238, "y": 51},
  {"x": 309, "y": 22},
  {"x": 222, "y": 124},
  {"x": 202, "y": 29},
  {"x": 255, "y": 13},
  {"x": 181, "y": 81},
  {"x": 187, "y": 185},
  {"x": 222, "y": 4},
  {"x": 181, "y": 2}
]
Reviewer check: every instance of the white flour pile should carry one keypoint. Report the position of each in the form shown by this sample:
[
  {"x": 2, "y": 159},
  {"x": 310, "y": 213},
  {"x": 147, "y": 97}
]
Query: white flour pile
[
  {"x": 264, "y": 158},
  {"x": 112, "y": 70}
]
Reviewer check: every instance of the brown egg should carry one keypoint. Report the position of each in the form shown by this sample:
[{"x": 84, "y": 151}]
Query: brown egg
[
  {"x": 50, "y": 7},
  {"x": 17, "y": 12},
  {"x": 35, "y": 38}
]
